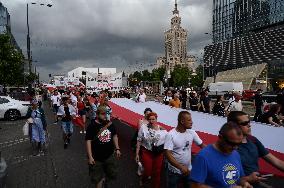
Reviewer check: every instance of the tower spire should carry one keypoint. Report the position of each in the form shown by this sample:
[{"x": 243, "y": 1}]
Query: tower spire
[{"x": 176, "y": 9}]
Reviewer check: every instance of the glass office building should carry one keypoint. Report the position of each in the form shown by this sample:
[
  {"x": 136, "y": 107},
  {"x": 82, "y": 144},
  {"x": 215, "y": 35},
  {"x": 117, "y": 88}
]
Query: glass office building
[
  {"x": 5, "y": 26},
  {"x": 4, "y": 19},
  {"x": 245, "y": 33},
  {"x": 234, "y": 18}
]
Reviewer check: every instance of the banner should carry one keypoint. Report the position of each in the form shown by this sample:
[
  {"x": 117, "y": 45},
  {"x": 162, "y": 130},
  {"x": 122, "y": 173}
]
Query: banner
[
  {"x": 59, "y": 81},
  {"x": 72, "y": 82},
  {"x": 99, "y": 82},
  {"x": 206, "y": 125}
]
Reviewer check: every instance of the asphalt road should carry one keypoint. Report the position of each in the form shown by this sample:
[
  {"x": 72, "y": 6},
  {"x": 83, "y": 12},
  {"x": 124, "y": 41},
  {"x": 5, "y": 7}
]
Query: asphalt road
[
  {"x": 64, "y": 167},
  {"x": 59, "y": 167}
]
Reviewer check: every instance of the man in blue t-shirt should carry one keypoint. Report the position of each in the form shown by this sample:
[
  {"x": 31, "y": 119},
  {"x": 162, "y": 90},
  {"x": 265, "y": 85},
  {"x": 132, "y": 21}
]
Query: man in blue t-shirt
[
  {"x": 251, "y": 148},
  {"x": 219, "y": 165}
]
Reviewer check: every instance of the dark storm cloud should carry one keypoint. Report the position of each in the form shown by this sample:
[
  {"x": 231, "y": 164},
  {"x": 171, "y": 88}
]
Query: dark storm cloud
[{"x": 109, "y": 33}]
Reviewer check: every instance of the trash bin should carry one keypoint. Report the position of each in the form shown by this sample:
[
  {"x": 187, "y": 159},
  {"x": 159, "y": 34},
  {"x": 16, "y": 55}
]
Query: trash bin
[{"x": 3, "y": 172}]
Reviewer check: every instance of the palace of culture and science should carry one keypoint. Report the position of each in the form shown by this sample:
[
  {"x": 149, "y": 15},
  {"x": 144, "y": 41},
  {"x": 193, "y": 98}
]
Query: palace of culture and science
[{"x": 176, "y": 46}]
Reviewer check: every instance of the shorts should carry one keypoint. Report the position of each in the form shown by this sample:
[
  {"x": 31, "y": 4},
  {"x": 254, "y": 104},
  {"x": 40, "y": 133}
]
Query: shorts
[
  {"x": 82, "y": 112},
  {"x": 55, "y": 108},
  {"x": 174, "y": 180},
  {"x": 67, "y": 127},
  {"x": 101, "y": 169}
]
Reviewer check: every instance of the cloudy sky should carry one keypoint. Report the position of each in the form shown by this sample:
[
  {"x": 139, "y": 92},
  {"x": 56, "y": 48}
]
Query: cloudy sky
[{"x": 104, "y": 33}]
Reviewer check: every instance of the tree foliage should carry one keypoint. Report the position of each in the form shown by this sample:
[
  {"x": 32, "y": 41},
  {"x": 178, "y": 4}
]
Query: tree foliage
[
  {"x": 146, "y": 75},
  {"x": 30, "y": 78},
  {"x": 11, "y": 63},
  {"x": 180, "y": 76},
  {"x": 135, "y": 78},
  {"x": 158, "y": 74},
  {"x": 197, "y": 80}
]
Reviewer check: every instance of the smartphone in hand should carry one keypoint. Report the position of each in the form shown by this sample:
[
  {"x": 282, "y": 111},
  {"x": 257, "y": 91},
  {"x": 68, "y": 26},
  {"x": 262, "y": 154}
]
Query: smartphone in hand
[{"x": 266, "y": 175}]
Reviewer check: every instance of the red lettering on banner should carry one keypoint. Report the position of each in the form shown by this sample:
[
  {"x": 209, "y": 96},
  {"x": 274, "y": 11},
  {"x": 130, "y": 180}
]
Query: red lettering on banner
[{"x": 105, "y": 85}]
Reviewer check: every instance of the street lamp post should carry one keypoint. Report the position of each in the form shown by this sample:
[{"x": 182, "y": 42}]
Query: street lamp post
[
  {"x": 28, "y": 36},
  {"x": 29, "y": 41}
]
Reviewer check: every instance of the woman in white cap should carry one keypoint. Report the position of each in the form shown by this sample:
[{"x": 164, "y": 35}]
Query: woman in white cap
[{"x": 37, "y": 127}]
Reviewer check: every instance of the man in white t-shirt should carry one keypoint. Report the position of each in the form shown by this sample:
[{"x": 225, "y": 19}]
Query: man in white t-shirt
[
  {"x": 236, "y": 104},
  {"x": 74, "y": 99},
  {"x": 178, "y": 150},
  {"x": 55, "y": 101},
  {"x": 141, "y": 97}
]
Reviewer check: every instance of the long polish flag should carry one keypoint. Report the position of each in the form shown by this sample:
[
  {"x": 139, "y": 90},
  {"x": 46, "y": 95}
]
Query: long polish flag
[{"x": 206, "y": 125}]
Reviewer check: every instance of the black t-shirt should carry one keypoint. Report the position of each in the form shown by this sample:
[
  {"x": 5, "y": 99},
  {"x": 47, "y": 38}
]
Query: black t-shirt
[
  {"x": 206, "y": 102},
  {"x": 193, "y": 101},
  {"x": 218, "y": 109},
  {"x": 258, "y": 100},
  {"x": 250, "y": 152},
  {"x": 67, "y": 116},
  {"x": 267, "y": 115},
  {"x": 102, "y": 145}
]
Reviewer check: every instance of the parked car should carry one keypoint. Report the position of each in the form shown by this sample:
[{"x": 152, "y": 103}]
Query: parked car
[
  {"x": 248, "y": 95},
  {"x": 21, "y": 96},
  {"x": 12, "y": 109}
]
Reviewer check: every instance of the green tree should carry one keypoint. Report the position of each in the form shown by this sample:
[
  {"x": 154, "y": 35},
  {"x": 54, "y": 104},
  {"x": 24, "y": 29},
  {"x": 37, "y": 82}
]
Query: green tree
[
  {"x": 11, "y": 63},
  {"x": 146, "y": 75},
  {"x": 180, "y": 76},
  {"x": 158, "y": 74},
  {"x": 197, "y": 80},
  {"x": 137, "y": 75},
  {"x": 30, "y": 78},
  {"x": 135, "y": 78}
]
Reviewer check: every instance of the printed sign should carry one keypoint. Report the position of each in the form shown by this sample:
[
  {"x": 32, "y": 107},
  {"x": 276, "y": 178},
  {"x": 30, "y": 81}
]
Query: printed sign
[{"x": 99, "y": 82}]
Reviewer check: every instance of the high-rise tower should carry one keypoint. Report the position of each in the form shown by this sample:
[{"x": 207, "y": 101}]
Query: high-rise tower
[{"x": 175, "y": 44}]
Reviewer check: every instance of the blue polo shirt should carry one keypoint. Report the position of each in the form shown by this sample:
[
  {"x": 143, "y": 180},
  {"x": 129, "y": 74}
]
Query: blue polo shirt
[
  {"x": 250, "y": 152},
  {"x": 216, "y": 169}
]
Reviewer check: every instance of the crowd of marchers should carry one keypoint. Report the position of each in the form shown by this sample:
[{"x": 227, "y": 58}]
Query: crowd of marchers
[
  {"x": 232, "y": 161},
  {"x": 272, "y": 114}
]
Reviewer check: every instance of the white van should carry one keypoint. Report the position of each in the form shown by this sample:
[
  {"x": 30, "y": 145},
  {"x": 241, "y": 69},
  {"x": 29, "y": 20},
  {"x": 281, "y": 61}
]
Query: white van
[{"x": 221, "y": 88}]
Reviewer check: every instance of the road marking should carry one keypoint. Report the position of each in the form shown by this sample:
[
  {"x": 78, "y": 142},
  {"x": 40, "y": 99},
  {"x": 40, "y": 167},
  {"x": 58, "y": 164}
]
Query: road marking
[
  {"x": 13, "y": 142},
  {"x": 21, "y": 159}
]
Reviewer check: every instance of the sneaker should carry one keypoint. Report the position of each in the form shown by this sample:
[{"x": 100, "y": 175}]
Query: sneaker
[
  {"x": 84, "y": 132},
  {"x": 41, "y": 153},
  {"x": 81, "y": 132},
  {"x": 55, "y": 123},
  {"x": 65, "y": 145},
  {"x": 35, "y": 153}
]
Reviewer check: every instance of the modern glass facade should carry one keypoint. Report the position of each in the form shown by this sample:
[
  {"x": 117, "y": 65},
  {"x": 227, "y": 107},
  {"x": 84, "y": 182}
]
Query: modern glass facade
[
  {"x": 5, "y": 25},
  {"x": 235, "y": 18},
  {"x": 4, "y": 19}
]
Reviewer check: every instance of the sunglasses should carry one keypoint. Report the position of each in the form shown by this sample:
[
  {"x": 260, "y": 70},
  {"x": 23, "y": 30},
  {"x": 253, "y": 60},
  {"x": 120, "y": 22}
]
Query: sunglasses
[
  {"x": 245, "y": 123},
  {"x": 102, "y": 113}
]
